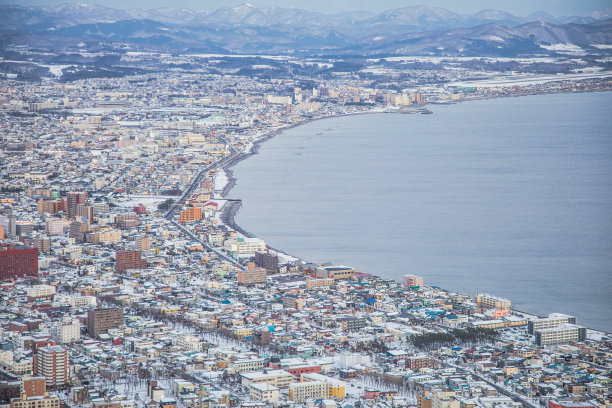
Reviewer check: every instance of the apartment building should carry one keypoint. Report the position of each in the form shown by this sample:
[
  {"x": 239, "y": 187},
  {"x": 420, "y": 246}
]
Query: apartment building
[
  {"x": 51, "y": 362},
  {"x": 101, "y": 320},
  {"x": 485, "y": 301},
  {"x": 300, "y": 392},
  {"x": 277, "y": 378},
  {"x": 553, "y": 320},
  {"x": 411, "y": 281},
  {"x": 561, "y": 334},
  {"x": 256, "y": 364}
]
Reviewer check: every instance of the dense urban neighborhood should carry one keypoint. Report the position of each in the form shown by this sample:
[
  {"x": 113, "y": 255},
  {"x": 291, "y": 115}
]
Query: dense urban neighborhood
[{"x": 126, "y": 282}]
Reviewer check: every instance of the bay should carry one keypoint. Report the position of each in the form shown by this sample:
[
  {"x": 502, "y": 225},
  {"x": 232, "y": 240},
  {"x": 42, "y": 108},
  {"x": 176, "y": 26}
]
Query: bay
[{"x": 511, "y": 197}]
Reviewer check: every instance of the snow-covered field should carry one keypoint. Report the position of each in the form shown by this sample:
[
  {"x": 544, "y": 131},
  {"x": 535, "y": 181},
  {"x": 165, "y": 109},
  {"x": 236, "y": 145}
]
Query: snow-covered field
[
  {"x": 150, "y": 203},
  {"x": 221, "y": 180},
  {"x": 437, "y": 60},
  {"x": 530, "y": 80},
  {"x": 563, "y": 48}
]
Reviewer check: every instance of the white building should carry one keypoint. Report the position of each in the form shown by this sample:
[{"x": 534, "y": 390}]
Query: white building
[
  {"x": 67, "y": 331},
  {"x": 54, "y": 226},
  {"x": 244, "y": 245},
  {"x": 561, "y": 334},
  {"x": 41, "y": 291},
  {"x": 263, "y": 392},
  {"x": 300, "y": 392},
  {"x": 189, "y": 343}
]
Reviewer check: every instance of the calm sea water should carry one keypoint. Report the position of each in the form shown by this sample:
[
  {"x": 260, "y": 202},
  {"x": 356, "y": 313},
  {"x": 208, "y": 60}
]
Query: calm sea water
[{"x": 511, "y": 197}]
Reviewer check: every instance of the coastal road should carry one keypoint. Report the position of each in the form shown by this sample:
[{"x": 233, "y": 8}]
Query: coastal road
[
  {"x": 192, "y": 187},
  {"x": 196, "y": 180},
  {"x": 207, "y": 246}
]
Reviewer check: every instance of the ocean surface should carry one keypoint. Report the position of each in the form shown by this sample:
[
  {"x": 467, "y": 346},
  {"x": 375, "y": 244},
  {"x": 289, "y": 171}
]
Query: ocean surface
[{"x": 511, "y": 197}]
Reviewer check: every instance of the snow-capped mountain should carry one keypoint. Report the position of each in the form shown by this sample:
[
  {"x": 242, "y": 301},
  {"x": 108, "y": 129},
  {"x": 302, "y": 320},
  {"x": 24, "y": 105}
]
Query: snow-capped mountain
[{"x": 246, "y": 28}]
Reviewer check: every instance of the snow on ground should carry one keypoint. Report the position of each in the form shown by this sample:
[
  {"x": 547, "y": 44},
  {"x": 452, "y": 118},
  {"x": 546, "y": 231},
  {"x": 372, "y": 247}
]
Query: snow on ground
[
  {"x": 530, "y": 80},
  {"x": 587, "y": 69},
  {"x": 271, "y": 57},
  {"x": 596, "y": 335},
  {"x": 220, "y": 180},
  {"x": 437, "y": 60},
  {"x": 57, "y": 69},
  {"x": 150, "y": 203},
  {"x": 564, "y": 48}
]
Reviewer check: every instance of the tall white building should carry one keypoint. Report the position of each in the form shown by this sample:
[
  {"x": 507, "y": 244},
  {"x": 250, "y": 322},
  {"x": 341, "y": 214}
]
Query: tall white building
[
  {"x": 51, "y": 362},
  {"x": 54, "y": 226},
  {"x": 67, "y": 331}
]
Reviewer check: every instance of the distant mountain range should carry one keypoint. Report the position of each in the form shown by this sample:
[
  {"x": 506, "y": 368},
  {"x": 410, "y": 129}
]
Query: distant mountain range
[{"x": 414, "y": 30}]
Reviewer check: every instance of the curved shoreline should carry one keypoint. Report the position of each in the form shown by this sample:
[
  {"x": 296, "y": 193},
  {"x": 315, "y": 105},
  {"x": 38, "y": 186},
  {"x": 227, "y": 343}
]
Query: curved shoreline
[
  {"x": 231, "y": 208},
  {"x": 229, "y": 212}
]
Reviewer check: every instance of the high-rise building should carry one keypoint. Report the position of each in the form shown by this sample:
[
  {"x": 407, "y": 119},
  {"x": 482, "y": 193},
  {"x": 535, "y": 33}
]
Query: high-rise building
[
  {"x": 23, "y": 228},
  {"x": 51, "y": 362},
  {"x": 67, "y": 331},
  {"x": 78, "y": 230},
  {"x": 142, "y": 243},
  {"x": 18, "y": 261},
  {"x": 190, "y": 214},
  {"x": 267, "y": 261},
  {"x": 43, "y": 244},
  {"x": 101, "y": 320},
  {"x": 74, "y": 198},
  {"x": 85, "y": 211},
  {"x": 51, "y": 206},
  {"x": 54, "y": 226},
  {"x": 12, "y": 226},
  {"x": 129, "y": 260},
  {"x": 252, "y": 275}
]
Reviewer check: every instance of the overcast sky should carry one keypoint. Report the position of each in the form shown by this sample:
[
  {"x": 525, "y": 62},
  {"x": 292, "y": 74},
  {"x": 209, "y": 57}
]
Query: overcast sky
[{"x": 517, "y": 7}]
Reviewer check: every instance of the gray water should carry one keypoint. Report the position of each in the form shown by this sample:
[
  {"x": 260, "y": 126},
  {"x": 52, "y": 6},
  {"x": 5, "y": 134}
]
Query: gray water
[{"x": 511, "y": 197}]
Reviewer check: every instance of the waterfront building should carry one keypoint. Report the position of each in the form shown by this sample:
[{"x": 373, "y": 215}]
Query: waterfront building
[
  {"x": 486, "y": 301},
  {"x": 560, "y": 334},
  {"x": 553, "y": 320},
  {"x": 268, "y": 261},
  {"x": 335, "y": 272},
  {"x": 411, "y": 281}
]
